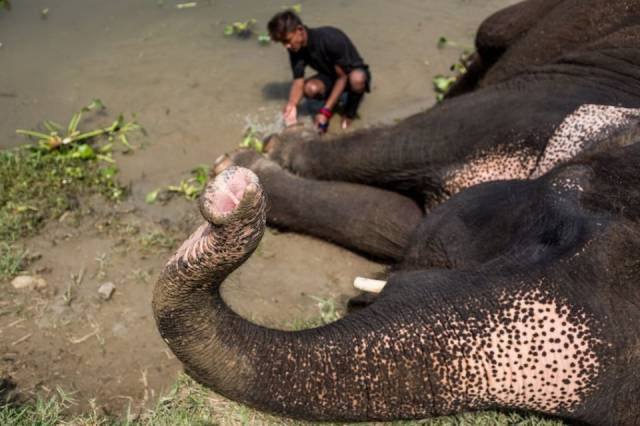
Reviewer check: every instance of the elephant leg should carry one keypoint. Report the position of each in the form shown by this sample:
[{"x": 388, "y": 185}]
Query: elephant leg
[
  {"x": 499, "y": 133},
  {"x": 366, "y": 219},
  {"x": 505, "y": 27},
  {"x": 495, "y": 35}
]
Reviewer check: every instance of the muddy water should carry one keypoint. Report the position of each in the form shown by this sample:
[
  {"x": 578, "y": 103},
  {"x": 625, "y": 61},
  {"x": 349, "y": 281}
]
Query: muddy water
[{"x": 194, "y": 91}]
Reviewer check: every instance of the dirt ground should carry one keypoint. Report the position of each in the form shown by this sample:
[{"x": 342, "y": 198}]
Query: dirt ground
[{"x": 107, "y": 353}]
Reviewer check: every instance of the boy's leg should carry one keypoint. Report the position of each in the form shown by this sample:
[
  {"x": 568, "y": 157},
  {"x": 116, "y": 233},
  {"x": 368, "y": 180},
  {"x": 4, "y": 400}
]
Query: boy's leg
[
  {"x": 359, "y": 82},
  {"x": 318, "y": 86}
]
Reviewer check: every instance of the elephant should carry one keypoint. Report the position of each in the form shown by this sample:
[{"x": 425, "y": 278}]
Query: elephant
[{"x": 510, "y": 217}]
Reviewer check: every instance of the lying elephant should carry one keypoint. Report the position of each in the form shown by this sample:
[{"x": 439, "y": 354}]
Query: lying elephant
[{"x": 517, "y": 288}]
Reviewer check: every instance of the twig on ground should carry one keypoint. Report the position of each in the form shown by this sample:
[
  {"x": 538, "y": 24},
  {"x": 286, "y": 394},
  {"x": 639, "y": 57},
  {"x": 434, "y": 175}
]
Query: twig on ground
[{"x": 22, "y": 339}]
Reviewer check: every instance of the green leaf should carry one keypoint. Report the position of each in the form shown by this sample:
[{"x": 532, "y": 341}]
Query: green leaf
[
  {"x": 73, "y": 124},
  {"x": 201, "y": 174},
  {"x": 187, "y": 5},
  {"x": 33, "y": 133},
  {"x": 125, "y": 141},
  {"x": 106, "y": 148},
  {"x": 152, "y": 196},
  {"x": 109, "y": 172},
  {"x": 52, "y": 126},
  {"x": 443, "y": 83},
  {"x": 84, "y": 152},
  {"x": 297, "y": 8},
  {"x": 191, "y": 191},
  {"x": 228, "y": 30},
  {"x": 442, "y": 42},
  {"x": 106, "y": 158},
  {"x": 96, "y": 104}
]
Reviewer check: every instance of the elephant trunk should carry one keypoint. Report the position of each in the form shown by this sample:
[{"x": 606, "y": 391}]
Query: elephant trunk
[
  {"x": 189, "y": 313},
  {"x": 329, "y": 373}
]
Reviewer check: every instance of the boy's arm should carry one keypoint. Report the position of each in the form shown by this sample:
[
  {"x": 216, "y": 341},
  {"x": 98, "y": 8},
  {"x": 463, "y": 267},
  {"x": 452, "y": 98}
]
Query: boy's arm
[
  {"x": 296, "y": 91},
  {"x": 295, "y": 94}
]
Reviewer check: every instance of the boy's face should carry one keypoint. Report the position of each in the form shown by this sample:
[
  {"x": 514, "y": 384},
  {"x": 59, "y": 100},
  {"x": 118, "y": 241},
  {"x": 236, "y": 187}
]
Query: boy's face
[{"x": 295, "y": 39}]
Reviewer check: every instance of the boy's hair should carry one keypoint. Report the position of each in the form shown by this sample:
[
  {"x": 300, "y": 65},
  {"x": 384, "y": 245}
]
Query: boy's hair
[{"x": 283, "y": 23}]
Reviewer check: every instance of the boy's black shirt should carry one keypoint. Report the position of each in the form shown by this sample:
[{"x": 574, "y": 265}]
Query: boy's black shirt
[{"x": 326, "y": 47}]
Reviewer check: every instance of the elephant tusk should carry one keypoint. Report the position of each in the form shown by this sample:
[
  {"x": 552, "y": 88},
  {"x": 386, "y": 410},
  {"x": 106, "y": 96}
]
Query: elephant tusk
[{"x": 369, "y": 285}]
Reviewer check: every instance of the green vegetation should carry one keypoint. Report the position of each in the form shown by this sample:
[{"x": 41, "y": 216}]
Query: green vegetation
[
  {"x": 187, "y": 5},
  {"x": 5, "y": 4},
  {"x": 264, "y": 38},
  {"x": 42, "y": 181},
  {"x": 246, "y": 29},
  {"x": 252, "y": 140},
  {"x": 57, "y": 135},
  {"x": 157, "y": 241},
  {"x": 443, "y": 83},
  {"x": 190, "y": 188},
  {"x": 242, "y": 29},
  {"x": 188, "y": 403},
  {"x": 12, "y": 260}
]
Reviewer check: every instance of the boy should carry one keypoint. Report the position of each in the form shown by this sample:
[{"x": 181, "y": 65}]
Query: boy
[{"x": 339, "y": 67}]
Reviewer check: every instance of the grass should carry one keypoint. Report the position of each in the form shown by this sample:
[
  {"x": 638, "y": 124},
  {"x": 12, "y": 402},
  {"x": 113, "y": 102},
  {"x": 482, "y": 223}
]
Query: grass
[
  {"x": 157, "y": 241},
  {"x": 12, "y": 260},
  {"x": 41, "y": 181},
  {"x": 188, "y": 403},
  {"x": 36, "y": 185}
]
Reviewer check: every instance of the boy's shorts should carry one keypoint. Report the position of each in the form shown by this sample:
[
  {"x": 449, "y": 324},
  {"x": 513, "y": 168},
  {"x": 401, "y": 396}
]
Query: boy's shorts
[{"x": 329, "y": 81}]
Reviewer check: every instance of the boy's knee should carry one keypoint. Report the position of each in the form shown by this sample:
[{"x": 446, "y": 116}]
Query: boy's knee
[
  {"x": 357, "y": 80},
  {"x": 313, "y": 89}
]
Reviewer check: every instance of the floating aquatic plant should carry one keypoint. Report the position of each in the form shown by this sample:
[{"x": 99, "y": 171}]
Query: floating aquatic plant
[
  {"x": 187, "y": 5},
  {"x": 242, "y": 29},
  {"x": 443, "y": 83},
  {"x": 264, "y": 39},
  {"x": 189, "y": 188},
  {"x": 297, "y": 8},
  {"x": 252, "y": 140},
  {"x": 58, "y": 136}
]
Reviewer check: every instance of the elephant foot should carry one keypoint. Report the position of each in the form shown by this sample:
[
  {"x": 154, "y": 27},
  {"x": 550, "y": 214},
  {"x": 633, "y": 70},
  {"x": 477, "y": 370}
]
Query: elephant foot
[
  {"x": 279, "y": 147},
  {"x": 221, "y": 164},
  {"x": 246, "y": 158}
]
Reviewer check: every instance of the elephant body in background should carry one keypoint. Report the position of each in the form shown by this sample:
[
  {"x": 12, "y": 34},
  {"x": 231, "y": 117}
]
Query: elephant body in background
[{"x": 510, "y": 213}]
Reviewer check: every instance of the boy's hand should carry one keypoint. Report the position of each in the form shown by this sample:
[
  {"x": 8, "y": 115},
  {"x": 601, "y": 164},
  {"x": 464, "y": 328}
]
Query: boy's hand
[
  {"x": 321, "y": 122},
  {"x": 290, "y": 114}
]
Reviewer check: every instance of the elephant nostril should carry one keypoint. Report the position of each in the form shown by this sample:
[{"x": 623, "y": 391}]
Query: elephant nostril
[
  {"x": 229, "y": 188},
  {"x": 226, "y": 201}
]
